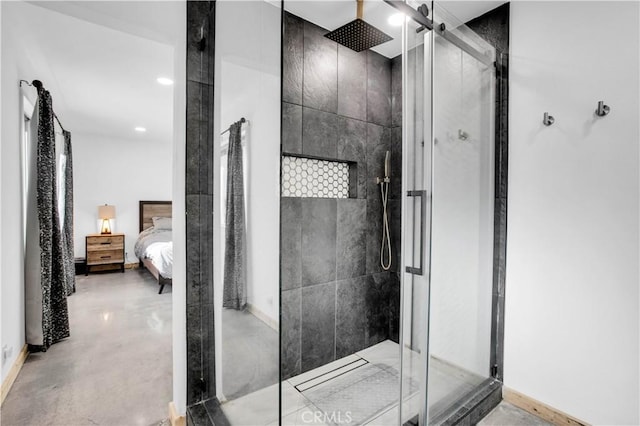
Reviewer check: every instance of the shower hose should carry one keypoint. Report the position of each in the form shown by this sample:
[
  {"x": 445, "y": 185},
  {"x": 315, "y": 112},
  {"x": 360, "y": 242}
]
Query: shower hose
[{"x": 386, "y": 242}]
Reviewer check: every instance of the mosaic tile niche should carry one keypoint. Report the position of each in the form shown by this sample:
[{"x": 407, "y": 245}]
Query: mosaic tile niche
[{"x": 308, "y": 177}]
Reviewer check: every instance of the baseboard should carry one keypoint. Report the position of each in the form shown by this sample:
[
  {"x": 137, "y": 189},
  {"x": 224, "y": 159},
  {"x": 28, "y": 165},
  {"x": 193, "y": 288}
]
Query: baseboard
[
  {"x": 13, "y": 373},
  {"x": 262, "y": 316},
  {"x": 174, "y": 418},
  {"x": 540, "y": 409}
]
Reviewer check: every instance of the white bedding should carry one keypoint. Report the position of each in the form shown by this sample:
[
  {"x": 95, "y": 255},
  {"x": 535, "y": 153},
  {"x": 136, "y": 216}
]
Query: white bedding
[{"x": 156, "y": 245}]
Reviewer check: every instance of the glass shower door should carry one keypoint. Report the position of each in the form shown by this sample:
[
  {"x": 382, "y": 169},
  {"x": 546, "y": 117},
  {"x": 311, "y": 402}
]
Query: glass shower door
[{"x": 448, "y": 225}]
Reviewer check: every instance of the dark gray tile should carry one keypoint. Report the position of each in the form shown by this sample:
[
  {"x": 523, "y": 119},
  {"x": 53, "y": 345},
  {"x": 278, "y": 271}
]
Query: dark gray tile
[
  {"x": 351, "y": 238},
  {"x": 396, "y": 91},
  {"x": 502, "y": 129},
  {"x": 318, "y": 325},
  {"x": 291, "y": 128},
  {"x": 320, "y": 70},
  {"x": 394, "y": 215},
  {"x": 206, "y": 141},
  {"x": 378, "y": 89},
  {"x": 206, "y": 248},
  {"x": 199, "y": 65},
  {"x": 199, "y": 249},
  {"x": 395, "y": 186},
  {"x": 199, "y": 143},
  {"x": 352, "y": 138},
  {"x": 482, "y": 405},
  {"x": 493, "y": 27},
  {"x": 192, "y": 156},
  {"x": 319, "y": 133},
  {"x": 194, "y": 353},
  {"x": 319, "y": 217},
  {"x": 378, "y": 143},
  {"x": 198, "y": 416},
  {"x": 215, "y": 412},
  {"x": 290, "y": 242},
  {"x": 499, "y": 245},
  {"x": 497, "y": 335},
  {"x": 290, "y": 332},
  {"x": 394, "y": 307},
  {"x": 198, "y": 156},
  {"x": 292, "y": 56},
  {"x": 352, "y": 83},
  {"x": 351, "y": 320},
  {"x": 194, "y": 257},
  {"x": 377, "y": 308},
  {"x": 374, "y": 235},
  {"x": 208, "y": 352}
]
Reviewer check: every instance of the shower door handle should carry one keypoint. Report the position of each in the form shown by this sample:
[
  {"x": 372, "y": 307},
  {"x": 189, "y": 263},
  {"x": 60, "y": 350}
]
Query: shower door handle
[{"x": 423, "y": 219}]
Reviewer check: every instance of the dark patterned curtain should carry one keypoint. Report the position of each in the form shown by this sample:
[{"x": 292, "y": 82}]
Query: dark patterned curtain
[
  {"x": 235, "y": 276},
  {"x": 67, "y": 227},
  {"x": 55, "y": 318}
]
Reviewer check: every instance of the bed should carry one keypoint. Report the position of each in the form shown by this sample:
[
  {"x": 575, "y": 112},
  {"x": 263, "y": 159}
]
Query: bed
[{"x": 154, "y": 246}]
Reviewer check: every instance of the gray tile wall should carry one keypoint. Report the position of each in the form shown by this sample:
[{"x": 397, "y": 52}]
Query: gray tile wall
[
  {"x": 199, "y": 202},
  {"x": 335, "y": 298}
]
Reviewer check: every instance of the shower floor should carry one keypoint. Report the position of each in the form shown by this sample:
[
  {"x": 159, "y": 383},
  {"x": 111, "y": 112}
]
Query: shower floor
[{"x": 361, "y": 389}]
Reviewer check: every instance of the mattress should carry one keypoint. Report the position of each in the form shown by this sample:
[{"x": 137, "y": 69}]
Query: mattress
[{"x": 157, "y": 246}]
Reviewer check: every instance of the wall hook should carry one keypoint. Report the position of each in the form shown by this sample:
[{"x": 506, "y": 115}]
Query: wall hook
[
  {"x": 602, "y": 109},
  {"x": 548, "y": 120}
]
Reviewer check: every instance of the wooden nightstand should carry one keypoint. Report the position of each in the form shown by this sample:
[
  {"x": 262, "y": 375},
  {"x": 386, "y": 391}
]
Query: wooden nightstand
[{"x": 104, "y": 250}]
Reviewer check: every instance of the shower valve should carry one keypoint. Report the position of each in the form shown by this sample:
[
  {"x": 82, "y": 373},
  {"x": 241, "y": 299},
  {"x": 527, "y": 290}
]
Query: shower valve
[{"x": 380, "y": 180}]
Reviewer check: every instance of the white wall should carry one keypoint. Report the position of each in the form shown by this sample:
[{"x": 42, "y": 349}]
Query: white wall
[
  {"x": 571, "y": 338},
  {"x": 15, "y": 65},
  {"x": 22, "y": 58},
  {"x": 120, "y": 173}
]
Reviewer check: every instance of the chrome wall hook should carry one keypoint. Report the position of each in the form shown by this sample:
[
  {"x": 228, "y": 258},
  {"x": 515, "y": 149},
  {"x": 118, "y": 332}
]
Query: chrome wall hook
[
  {"x": 548, "y": 120},
  {"x": 602, "y": 109}
]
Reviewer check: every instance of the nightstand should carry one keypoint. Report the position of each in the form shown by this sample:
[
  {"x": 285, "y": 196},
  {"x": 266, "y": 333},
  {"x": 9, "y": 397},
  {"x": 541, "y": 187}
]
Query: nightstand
[{"x": 103, "y": 251}]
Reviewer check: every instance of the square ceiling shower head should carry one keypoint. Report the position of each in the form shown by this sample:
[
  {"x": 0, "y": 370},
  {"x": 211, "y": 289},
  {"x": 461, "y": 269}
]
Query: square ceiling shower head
[{"x": 358, "y": 35}]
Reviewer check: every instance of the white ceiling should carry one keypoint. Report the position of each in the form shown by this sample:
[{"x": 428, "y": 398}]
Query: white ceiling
[
  {"x": 100, "y": 61},
  {"x": 104, "y": 56},
  {"x": 332, "y": 14}
]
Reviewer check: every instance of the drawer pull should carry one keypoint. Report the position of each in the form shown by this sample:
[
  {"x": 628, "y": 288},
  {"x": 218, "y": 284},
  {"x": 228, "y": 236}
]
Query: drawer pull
[
  {"x": 105, "y": 257},
  {"x": 107, "y": 243}
]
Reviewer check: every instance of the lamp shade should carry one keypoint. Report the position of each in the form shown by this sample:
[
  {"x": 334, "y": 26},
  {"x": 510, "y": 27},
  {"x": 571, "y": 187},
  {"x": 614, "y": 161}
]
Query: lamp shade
[{"x": 107, "y": 212}]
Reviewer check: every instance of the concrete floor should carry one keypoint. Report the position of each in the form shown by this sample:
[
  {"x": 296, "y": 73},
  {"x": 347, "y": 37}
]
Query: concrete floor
[
  {"x": 250, "y": 354},
  {"x": 115, "y": 369},
  {"x": 506, "y": 414}
]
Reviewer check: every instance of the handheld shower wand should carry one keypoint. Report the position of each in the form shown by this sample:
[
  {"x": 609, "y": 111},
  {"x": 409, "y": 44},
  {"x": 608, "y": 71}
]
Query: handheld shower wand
[
  {"x": 387, "y": 159},
  {"x": 385, "y": 247}
]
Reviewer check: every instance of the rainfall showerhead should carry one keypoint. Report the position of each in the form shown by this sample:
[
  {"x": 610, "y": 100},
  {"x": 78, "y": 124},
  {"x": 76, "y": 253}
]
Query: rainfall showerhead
[{"x": 358, "y": 35}]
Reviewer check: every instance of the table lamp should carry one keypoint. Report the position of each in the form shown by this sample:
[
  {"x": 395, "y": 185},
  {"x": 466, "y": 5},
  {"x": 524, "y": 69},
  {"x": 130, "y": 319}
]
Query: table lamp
[{"x": 106, "y": 213}]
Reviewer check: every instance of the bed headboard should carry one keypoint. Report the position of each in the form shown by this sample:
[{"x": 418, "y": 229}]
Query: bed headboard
[{"x": 151, "y": 209}]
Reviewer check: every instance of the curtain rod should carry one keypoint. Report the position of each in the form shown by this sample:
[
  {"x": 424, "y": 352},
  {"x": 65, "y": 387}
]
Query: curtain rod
[
  {"x": 242, "y": 120},
  {"x": 39, "y": 86}
]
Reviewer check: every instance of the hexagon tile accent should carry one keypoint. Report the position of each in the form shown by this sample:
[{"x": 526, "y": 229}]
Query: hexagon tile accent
[{"x": 308, "y": 177}]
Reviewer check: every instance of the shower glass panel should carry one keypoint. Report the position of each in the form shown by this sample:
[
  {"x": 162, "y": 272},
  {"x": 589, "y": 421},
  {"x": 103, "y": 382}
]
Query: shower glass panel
[
  {"x": 340, "y": 293},
  {"x": 447, "y": 305},
  {"x": 359, "y": 336},
  {"x": 246, "y": 210}
]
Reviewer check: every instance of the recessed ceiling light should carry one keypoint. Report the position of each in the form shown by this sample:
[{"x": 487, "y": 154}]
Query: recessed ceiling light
[
  {"x": 165, "y": 81},
  {"x": 140, "y": 129},
  {"x": 396, "y": 19}
]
